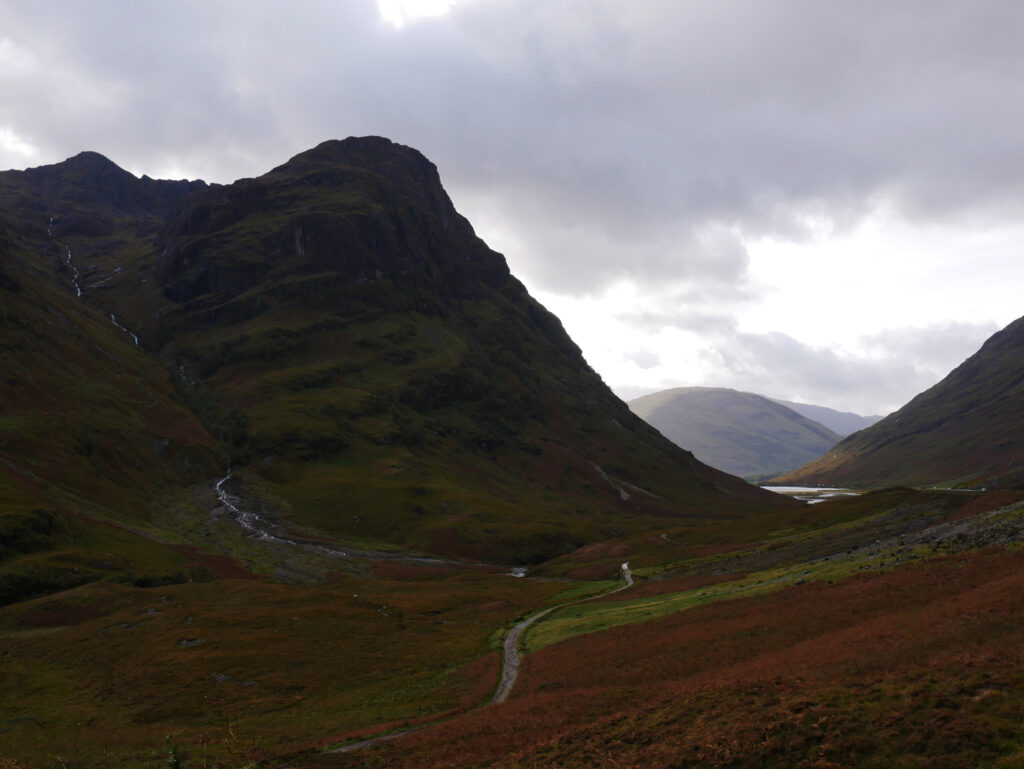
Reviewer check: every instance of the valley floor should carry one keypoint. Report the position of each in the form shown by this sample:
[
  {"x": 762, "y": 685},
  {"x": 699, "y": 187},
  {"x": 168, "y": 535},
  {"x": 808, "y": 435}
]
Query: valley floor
[{"x": 880, "y": 631}]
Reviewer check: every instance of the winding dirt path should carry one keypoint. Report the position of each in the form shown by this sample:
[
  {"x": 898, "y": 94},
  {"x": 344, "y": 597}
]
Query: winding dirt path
[
  {"x": 509, "y": 667},
  {"x": 260, "y": 529},
  {"x": 511, "y": 658}
]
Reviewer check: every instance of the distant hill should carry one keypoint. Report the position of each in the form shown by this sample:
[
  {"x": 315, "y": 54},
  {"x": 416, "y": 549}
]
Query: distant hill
[
  {"x": 842, "y": 423},
  {"x": 967, "y": 430},
  {"x": 741, "y": 433}
]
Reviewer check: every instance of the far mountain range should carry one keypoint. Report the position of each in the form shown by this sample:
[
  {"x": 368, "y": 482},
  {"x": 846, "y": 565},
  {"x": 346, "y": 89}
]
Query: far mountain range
[
  {"x": 964, "y": 432},
  {"x": 743, "y": 433}
]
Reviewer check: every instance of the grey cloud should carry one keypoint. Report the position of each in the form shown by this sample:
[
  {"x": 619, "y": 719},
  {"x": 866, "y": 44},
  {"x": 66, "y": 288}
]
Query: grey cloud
[
  {"x": 579, "y": 260},
  {"x": 645, "y": 359},
  {"x": 938, "y": 348},
  {"x": 642, "y": 125},
  {"x": 701, "y": 309},
  {"x": 900, "y": 364},
  {"x": 641, "y": 141},
  {"x": 775, "y": 364},
  {"x": 631, "y": 392},
  {"x": 699, "y": 321}
]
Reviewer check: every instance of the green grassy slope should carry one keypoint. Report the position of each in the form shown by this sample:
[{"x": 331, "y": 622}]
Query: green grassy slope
[
  {"x": 740, "y": 433},
  {"x": 965, "y": 430},
  {"x": 92, "y": 434}
]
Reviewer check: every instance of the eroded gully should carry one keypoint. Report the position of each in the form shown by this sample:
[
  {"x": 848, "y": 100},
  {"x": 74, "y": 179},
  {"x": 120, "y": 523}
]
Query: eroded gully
[{"x": 75, "y": 275}]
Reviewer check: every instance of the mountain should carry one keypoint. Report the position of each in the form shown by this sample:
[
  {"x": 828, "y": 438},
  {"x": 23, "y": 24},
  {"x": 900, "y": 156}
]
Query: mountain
[
  {"x": 842, "y": 423},
  {"x": 378, "y": 383},
  {"x": 966, "y": 430},
  {"x": 738, "y": 432},
  {"x": 336, "y": 333}
]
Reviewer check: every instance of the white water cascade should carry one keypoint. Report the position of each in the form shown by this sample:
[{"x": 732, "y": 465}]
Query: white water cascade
[
  {"x": 133, "y": 335},
  {"x": 74, "y": 278},
  {"x": 247, "y": 520},
  {"x": 67, "y": 260}
]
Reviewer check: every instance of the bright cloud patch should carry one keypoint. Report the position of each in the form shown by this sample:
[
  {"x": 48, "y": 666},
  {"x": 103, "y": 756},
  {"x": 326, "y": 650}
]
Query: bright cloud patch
[
  {"x": 13, "y": 148},
  {"x": 398, "y": 13}
]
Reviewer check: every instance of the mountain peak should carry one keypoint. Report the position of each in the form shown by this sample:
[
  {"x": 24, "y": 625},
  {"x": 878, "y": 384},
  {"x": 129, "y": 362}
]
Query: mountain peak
[
  {"x": 384, "y": 201},
  {"x": 373, "y": 153},
  {"x": 406, "y": 170},
  {"x": 88, "y": 190},
  {"x": 93, "y": 160}
]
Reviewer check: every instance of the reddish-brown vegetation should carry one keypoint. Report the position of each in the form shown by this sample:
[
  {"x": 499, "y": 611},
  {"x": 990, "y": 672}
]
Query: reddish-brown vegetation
[
  {"x": 218, "y": 566},
  {"x": 409, "y": 571},
  {"x": 921, "y": 666},
  {"x": 104, "y": 672},
  {"x": 594, "y": 571},
  {"x": 60, "y": 614},
  {"x": 599, "y": 551},
  {"x": 985, "y": 503}
]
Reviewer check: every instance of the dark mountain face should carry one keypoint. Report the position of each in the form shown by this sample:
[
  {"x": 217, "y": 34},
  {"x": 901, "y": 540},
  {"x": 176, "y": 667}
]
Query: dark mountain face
[
  {"x": 358, "y": 352},
  {"x": 88, "y": 193},
  {"x": 362, "y": 211},
  {"x": 738, "y": 432},
  {"x": 965, "y": 430}
]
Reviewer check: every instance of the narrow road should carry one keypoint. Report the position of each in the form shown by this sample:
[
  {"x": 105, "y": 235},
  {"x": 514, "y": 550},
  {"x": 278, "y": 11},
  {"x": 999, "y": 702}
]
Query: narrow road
[{"x": 510, "y": 658}]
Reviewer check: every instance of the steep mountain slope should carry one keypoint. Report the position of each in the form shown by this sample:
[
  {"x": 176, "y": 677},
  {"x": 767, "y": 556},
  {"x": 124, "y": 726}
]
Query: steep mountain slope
[
  {"x": 965, "y": 430},
  {"x": 390, "y": 367},
  {"x": 367, "y": 365},
  {"x": 741, "y": 433},
  {"x": 842, "y": 423},
  {"x": 93, "y": 437}
]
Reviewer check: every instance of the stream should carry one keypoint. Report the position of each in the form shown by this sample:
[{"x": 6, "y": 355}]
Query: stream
[{"x": 262, "y": 530}]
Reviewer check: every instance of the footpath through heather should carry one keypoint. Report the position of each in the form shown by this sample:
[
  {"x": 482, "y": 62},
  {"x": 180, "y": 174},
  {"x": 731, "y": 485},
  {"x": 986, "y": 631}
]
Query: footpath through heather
[
  {"x": 261, "y": 529},
  {"x": 510, "y": 656},
  {"x": 510, "y": 662}
]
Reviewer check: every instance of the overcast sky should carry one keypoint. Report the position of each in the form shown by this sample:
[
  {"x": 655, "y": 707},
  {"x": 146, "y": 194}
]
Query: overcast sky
[{"x": 817, "y": 201}]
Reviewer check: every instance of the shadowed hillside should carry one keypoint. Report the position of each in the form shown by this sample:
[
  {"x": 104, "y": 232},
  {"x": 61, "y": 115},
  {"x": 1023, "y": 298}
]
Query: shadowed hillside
[
  {"x": 93, "y": 436},
  {"x": 966, "y": 430}
]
